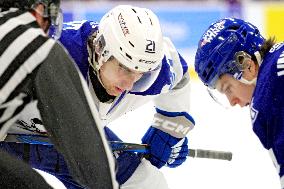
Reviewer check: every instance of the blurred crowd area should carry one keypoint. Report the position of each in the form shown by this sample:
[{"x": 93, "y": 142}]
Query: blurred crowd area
[
  {"x": 226, "y": 1},
  {"x": 185, "y": 20}
]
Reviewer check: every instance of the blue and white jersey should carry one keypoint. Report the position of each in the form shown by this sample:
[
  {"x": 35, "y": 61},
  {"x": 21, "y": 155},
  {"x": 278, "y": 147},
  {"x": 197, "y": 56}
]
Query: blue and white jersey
[
  {"x": 170, "y": 91},
  {"x": 267, "y": 107},
  {"x": 74, "y": 38}
]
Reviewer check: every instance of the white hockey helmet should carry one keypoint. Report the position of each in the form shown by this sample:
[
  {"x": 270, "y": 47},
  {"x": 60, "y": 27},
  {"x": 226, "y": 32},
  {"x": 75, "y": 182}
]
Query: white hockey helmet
[{"x": 133, "y": 36}]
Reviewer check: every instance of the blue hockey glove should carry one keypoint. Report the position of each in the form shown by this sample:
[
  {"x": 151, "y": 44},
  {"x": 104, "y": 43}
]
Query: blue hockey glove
[{"x": 165, "y": 149}]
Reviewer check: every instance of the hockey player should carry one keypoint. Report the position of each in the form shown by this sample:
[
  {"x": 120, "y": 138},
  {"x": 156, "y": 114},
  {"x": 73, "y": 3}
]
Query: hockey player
[
  {"x": 36, "y": 68},
  {"x": 233, "y": 58},
  {"x": 127, "y": 62}
]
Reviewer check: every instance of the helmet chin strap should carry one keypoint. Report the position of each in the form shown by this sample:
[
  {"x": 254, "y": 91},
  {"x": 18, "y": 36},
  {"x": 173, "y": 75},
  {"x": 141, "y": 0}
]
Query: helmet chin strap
[
  {"x": 253, "y": 81},
  {"x": 99, "y": 78},
  {"x": 92, "y": 63},
  {"x": 97, "y": 73},
  {"x": 258, "y": 57},
  {"x": 247, "y": 82}
]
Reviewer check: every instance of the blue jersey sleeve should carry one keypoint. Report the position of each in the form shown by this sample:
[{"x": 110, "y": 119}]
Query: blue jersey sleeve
[
  {"x": 74, "y": 38},
  {"x": 278, "y": 103},
  {"x": 267, "y": 108}
]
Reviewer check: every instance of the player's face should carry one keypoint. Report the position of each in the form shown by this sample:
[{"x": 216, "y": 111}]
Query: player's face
[
  {"x": 235, "y": 91},
  {"x": 117, "y": 78}
]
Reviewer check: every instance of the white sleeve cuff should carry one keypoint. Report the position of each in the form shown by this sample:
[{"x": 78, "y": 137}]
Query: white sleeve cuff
[{"x": 146, "y": 176}]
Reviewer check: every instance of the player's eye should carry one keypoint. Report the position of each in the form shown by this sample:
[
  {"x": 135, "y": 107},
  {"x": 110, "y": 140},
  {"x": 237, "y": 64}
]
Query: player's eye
[
  {"x": 123, "y": 68},
  {"x": 227, "y": 89}
]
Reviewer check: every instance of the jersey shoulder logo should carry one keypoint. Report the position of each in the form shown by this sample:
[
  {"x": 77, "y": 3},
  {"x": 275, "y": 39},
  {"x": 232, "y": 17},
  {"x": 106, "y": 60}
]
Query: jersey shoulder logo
[
  {"x": 253, "y": 112},
  {"x": 280, "y": 64},
  {"x": 276, "y": 47}
]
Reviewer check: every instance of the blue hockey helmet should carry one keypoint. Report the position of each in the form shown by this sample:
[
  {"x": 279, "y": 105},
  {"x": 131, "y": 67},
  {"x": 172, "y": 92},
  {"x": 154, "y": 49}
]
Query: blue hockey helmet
[{"x": 224, "y": 47}]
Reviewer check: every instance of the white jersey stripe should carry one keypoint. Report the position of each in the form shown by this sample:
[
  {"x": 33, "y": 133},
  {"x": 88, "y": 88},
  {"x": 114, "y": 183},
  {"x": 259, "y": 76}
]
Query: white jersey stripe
[
  {"x": 4, "y": 129},
  {"x": 280, "y": 73},
  {"x": 280, "y": 66},
  {"x": 277, "y": 166},
  {"x": 11, "y": 24},
  {"x": 17, "y": 47},
  {"x": 29, "y": 65},
  {"x": 280, "y": 60},
  {"x": 8, "y": 11},
  {"x": 11, "y": 107}
]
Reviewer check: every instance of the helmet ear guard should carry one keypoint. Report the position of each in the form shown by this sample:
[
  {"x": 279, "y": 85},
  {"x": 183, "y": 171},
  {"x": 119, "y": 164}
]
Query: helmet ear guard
[
  {"x": 101, "y": 52},
  {"x": 99, "y": 45},
  {"x": 241, "y": 59},
  {"x": 95, "y": 48}
]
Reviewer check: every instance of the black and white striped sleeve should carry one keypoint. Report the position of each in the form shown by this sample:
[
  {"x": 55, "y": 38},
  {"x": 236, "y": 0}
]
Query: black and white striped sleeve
[
  {"x": 34, "y": 67},
  {"x": 23, "y": 47}
]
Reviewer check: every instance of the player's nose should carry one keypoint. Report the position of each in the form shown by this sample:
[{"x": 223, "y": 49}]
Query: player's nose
[
  {"x": 127, "y": 84},
  {"x": 234, "y": 101},
  {"x": 130, "y": 80}
]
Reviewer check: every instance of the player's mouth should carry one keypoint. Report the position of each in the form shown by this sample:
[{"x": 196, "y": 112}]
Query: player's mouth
[{"x": 119, "y": 90}]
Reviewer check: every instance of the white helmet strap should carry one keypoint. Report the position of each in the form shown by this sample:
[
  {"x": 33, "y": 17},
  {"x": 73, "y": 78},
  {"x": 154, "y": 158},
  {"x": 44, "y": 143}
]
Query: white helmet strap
[
  {"x": 254, "y": 80},
  {"x": 92, "y": 58},
  {"x": 258, "y": 57}
]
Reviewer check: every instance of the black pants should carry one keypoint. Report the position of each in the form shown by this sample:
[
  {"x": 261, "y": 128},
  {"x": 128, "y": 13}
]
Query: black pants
[{"x": 17, "y": 174}]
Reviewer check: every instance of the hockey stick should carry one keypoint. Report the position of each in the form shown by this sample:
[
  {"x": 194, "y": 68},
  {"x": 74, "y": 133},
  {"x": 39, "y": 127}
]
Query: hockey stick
[
  {"x": 121, "y": 146},
  {"x": 143, "y": 148}
]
